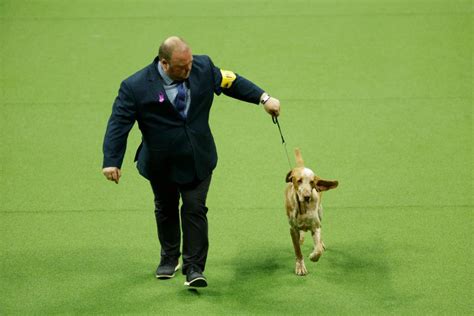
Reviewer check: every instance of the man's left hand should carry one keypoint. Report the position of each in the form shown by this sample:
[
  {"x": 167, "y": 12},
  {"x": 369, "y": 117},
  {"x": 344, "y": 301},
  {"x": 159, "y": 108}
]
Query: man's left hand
[{"x": 272, "y": 106}]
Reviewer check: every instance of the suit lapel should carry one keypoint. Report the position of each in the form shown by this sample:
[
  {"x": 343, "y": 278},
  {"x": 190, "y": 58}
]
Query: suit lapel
[
  {"x": 193, "y": 87},
  {"x": 157, "y": 89},
  {"x": 156, "y": 84}
]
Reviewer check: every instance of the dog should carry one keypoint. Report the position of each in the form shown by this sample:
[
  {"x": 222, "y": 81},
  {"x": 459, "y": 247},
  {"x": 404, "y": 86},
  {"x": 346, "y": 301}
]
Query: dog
[{"x": 304, "y": 210}]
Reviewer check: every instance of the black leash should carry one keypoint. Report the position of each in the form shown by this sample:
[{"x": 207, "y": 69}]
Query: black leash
[{"x": 275, "y": 121}]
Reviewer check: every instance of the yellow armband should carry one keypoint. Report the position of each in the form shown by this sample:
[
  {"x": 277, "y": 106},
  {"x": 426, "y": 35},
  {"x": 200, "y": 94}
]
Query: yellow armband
[{"x": 228, "y": 78}]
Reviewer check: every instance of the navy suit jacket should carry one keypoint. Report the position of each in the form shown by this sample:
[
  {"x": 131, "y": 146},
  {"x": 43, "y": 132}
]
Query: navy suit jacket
[{"x": 172, "y": 148}]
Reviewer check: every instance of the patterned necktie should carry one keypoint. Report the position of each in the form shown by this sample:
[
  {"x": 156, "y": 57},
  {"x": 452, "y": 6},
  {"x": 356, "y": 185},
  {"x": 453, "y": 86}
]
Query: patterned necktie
[{"x": 180, "y": 100}]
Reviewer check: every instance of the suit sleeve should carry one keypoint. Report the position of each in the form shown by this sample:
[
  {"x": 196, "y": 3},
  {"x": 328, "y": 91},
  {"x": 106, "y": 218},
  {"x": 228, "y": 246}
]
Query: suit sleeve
[
  {"x": 120, "y": 123},
  {"x": 238, "y": 88}
]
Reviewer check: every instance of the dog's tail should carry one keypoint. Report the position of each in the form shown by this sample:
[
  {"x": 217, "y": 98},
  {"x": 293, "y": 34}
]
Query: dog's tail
[{"x": 299, "y": 158}]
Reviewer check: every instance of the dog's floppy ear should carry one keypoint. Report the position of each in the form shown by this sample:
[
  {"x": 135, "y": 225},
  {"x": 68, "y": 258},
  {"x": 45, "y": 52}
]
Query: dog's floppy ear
[
  {"x": 325, "y": 185},
  {"x": 289, "y": 176}
]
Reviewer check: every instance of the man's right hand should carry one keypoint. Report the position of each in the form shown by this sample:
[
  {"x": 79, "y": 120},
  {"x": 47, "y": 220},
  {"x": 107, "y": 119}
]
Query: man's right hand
[{"x": 112, "y": 174}]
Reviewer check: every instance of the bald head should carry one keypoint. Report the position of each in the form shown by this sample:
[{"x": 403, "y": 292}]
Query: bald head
[
  {"x": 170, "y": 45},
  {"x": 176, "y": 58}
]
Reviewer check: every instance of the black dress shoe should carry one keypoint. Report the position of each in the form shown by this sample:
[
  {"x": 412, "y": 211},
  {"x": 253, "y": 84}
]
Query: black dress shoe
[
  {"x": 195, "y": 278},
  {"x": 167, "y": 268}
]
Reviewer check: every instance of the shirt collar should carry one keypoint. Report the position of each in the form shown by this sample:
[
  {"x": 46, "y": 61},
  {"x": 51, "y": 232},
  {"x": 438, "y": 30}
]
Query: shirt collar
[{"x": 168, "y": 81}]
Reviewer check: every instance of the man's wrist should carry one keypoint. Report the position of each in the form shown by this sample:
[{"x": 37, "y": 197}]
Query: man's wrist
[{"x": 264, "y": 98}]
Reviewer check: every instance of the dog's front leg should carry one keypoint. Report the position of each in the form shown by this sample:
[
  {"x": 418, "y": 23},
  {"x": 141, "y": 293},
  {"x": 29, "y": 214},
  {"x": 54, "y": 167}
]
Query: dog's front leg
[
  {"x": 301, "y": 237},
  {"x": 300, "y": 268},
  {"x": 318, "y": 245}
]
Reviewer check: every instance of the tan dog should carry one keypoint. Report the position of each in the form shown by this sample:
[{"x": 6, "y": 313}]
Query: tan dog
[{"x": 303, "y": 207}]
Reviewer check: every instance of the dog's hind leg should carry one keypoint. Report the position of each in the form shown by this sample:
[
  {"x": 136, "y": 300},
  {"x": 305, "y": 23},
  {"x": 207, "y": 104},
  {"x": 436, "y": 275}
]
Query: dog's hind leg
[
  {"x": 301, "y": 237},
  {"x": 300, "y": 268}
]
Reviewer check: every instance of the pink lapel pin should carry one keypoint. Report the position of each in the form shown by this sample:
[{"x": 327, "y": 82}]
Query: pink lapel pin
[{"x": 161, "y": 97}]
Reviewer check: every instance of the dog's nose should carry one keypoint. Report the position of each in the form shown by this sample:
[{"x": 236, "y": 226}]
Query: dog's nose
[{"x": 307, "y": 198}]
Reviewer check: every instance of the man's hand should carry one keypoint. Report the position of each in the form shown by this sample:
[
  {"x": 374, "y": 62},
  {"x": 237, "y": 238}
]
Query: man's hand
[
  {"x": 112, "y": 174},
  {"x": 272, "y": 106}
]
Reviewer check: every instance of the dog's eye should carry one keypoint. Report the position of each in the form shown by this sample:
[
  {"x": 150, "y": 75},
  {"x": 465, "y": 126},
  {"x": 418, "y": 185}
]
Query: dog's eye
[{"x": 300, "y": 181}]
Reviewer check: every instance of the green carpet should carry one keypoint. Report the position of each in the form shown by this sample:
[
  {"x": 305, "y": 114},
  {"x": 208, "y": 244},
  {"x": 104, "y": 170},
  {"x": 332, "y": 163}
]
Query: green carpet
[{"x": 377, "y": 94}]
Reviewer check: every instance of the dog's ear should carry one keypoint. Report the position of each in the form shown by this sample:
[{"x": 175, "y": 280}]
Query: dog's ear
[
  {"x": 325, "y": 185},
  {"x": 289, "y": 176}
]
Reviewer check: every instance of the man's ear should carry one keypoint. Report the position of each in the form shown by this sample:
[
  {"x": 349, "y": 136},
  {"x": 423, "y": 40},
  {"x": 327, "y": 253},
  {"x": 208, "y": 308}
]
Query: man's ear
[
  {"x": 289, "y": 176},
  {"x": 325, "y": 185},
  {"x": 165, "y": 64}
]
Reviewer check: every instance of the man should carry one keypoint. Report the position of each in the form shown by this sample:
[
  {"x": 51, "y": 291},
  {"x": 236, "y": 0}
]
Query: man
[{"x": 171, "y": 99}]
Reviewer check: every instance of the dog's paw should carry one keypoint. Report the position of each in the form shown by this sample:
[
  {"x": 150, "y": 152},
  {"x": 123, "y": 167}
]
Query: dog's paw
[
  {"x": 300, "y": 268},
  {"x": 314, "y": 256},
  {"x": 317, "y": 252}
]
